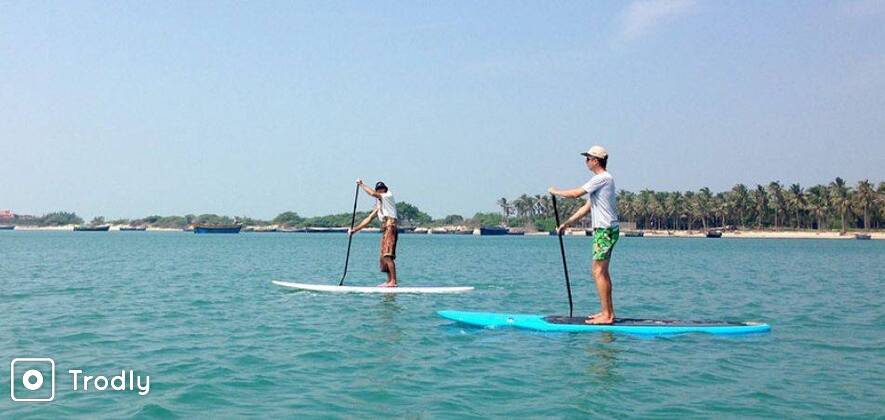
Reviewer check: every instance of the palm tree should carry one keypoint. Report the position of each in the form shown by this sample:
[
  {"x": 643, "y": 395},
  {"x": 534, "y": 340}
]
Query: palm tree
[
  {"x": 703, "y": 200},
  {"x": 880, "y": 200},
  {"x": 864, "y": 198},
  {"x": 690, "y": 209},
  {"x": 818, "y": 202},
  {"x": 840, "y": 194},
  {"x": 545, "y": 205},
  {"x": 642, "y": 205},
  {"x": 796, "y": 202},
  {"x": 656, "y": 209},
  {"x": 523, "y": 206},
  {"x": 570, "y": 205},
  {"x": 626, "y": 210},
  {"x": 760, "y": 203},
  {"x": 740, "y": 201},
  {"x": 506, "y": 209},
  {"x": 775, "y": 192},
  {"x": 721, "y": 208},
  {"x": 673, "y": 207}
]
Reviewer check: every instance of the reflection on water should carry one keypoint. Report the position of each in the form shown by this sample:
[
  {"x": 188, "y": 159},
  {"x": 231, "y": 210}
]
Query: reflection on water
[
  {"x": 602, "y": 355},
  {"x": 389, "y": 312},
  {"x": 389, "y": 307}
]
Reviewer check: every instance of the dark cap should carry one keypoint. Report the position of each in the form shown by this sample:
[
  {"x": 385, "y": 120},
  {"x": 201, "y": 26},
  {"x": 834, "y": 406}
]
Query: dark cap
[{"x": 380, "y": 185}]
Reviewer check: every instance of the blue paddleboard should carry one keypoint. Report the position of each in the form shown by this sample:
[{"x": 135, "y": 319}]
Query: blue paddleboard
[{"x": 621, "y": 325}]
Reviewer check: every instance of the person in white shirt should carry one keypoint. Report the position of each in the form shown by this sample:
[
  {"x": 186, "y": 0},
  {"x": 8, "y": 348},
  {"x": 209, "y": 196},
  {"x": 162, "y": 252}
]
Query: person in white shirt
[
  {"x": 385, "y": 209},
  {"x": 603, "y": 209}
]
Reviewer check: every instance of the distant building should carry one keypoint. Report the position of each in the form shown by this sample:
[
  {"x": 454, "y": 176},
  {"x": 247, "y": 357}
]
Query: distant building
[{"x": 7, "y": 215}]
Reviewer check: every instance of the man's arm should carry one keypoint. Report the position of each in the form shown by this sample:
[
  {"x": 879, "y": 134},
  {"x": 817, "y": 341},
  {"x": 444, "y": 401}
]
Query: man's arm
[
  {"x": 369, "y": 190},
  {"x": 573, "y": 193},
  {"x": 365, "y": 222},
  {"x": 575, "y": 217}
]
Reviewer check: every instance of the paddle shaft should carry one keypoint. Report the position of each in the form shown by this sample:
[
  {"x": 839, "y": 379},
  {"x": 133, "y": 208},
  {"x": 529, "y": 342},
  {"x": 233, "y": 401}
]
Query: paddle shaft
[
  {"x": 356, "y": 196},
  {"x": 568, "y": 285}
]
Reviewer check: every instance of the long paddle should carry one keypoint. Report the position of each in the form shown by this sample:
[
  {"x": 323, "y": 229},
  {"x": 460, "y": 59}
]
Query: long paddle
[
  {"x": 568, "y": 285},
  {"x": 356, "y": 195}
]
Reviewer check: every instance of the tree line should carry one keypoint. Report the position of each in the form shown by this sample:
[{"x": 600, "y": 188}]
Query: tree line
[
  {"x": 831, "y": 206},
  {"x": 827, "y": 206}
]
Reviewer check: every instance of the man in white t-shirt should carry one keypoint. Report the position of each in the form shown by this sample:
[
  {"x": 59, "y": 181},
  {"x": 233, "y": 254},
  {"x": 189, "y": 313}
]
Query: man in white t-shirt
[
  {"x": 385, "y": 209},
  {"x": 603, "y": 208}
]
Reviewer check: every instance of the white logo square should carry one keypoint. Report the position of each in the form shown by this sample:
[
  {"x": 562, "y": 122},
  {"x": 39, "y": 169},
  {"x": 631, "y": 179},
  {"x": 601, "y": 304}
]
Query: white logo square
[{"x": 32, "y": 379}]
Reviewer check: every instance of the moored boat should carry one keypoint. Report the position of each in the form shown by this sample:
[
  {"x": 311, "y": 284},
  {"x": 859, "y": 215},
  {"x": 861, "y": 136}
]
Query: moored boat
[
  {"x": 634, "y": 233},
  {"x": 291, "y": 230},
  {"x": 260, "y": 229},
  {"x": 714, "y": 233},
  {"x": 7, "y": 227},
  {"x": 491, "y": 231},
  {"x": 133, "y": 228},
  {"x": 217, "y": 229},
  {"x": 862, "y": 236},
  {"x": 327, "y": 230},
  {"x": 99, "y": 228}
]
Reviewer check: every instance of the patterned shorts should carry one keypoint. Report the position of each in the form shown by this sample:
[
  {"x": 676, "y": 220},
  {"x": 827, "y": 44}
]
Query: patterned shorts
[
  {"x": 604, "y": 240},
  {"x": 388, "y": 243}
]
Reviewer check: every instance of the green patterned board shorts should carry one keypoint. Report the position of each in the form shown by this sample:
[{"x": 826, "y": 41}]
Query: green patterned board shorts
[{"x": 604, "y": 240}]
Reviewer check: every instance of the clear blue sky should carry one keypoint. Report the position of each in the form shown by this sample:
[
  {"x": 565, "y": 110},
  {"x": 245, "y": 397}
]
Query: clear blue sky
[{"x": 129, "y": 108}]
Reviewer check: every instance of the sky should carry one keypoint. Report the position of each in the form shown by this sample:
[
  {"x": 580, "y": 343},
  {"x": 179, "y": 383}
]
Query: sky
[{"x": 130, "y": 108}]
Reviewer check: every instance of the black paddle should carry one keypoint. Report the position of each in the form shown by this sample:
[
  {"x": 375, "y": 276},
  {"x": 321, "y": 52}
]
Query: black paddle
[
  {"x": 568, "y": 285},
  {"x": 356, "y": 196}
]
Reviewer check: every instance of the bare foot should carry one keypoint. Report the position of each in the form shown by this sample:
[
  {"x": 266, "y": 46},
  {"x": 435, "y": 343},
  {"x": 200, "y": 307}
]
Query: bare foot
[
  {"x": 596, "y": 315},
  {"x": 601, "y": 320},
  {"x": 387, "y": 285}
]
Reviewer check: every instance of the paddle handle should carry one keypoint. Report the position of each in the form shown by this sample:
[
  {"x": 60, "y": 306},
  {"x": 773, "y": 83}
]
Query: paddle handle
[
  {"x": 356, "y": 196},
  {"x": 568, "y": 285}
]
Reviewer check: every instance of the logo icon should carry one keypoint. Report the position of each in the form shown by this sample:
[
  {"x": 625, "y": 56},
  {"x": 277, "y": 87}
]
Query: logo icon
[{"x": 32, "y": 379}]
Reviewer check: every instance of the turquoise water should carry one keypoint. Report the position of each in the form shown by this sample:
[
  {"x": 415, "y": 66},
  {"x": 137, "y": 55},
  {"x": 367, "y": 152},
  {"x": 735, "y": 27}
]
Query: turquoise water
[{"x": 199, "y": 315}]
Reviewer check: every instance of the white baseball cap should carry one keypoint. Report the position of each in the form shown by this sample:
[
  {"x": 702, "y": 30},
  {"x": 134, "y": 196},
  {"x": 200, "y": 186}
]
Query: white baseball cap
[{"x": 597, "y": 152}]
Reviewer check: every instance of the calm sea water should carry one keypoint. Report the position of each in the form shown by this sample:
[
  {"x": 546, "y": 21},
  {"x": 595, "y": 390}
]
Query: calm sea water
[{"x": 199, "y": 315}]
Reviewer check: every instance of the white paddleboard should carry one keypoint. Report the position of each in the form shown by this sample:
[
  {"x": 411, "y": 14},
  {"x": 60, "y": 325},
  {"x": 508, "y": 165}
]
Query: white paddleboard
[{"x": 363, "y": 289}]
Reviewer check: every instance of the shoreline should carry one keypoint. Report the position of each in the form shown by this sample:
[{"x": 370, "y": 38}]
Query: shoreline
[
  {"x": 765, "y": 234},
  {"x": 740, "y": 234}
]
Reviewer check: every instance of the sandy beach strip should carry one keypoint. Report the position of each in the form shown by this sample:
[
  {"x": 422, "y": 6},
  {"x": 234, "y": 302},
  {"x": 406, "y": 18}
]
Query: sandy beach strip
[
  {"x": 740, "y": 234},
  {"x": 762, "y": 234}
]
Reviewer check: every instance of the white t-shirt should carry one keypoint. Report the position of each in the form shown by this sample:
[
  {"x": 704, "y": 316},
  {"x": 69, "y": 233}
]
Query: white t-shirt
[
  {"x": 604, "y": 207},
  {"x": 386, "y": 206}
]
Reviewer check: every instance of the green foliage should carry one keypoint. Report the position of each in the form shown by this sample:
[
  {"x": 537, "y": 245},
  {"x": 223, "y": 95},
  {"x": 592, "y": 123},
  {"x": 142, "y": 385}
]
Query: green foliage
[
  {"x": 833, "y": 205},
  {"x": 213, "y": 220},
  {"x": 166, "y": 222},
  {"x": 836, "y": 205},
  {"x": 335, "y": 220},
  {"x": 248, "y": 221},
  {"x": 487, "y": 219},
  {"x": 545, "y": 224},
  {"x": 409, "y": 215},
  {"x": 60, "y": 218},
  {"x": 453, "y": 219},
  {"x": 289, "y": 218},
  {"x": 97, "y": 220}
]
